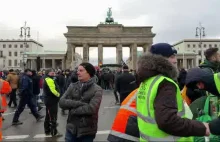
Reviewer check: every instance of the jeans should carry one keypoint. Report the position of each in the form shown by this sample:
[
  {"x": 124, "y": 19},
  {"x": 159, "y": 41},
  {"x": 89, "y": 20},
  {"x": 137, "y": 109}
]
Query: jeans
[
  {"x": 25, "y": 99},
  {"x": 69, "y": 137}
]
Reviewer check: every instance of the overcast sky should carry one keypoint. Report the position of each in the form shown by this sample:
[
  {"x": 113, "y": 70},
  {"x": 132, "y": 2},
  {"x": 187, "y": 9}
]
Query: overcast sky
[{"x": 172, "y": 20}]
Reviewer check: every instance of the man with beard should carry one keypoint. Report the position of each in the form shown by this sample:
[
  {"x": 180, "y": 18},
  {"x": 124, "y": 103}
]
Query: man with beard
[
  {"x": 210, "y": 65},
  {"x": 212, "y": 61},
  {"x": 162, "y": 113}
]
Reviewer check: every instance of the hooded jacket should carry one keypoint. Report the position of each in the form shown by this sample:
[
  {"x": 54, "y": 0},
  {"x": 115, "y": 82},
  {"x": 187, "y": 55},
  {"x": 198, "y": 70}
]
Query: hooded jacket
[
  {"x": 165, "y": 102},
  {"x": 197, "y": 74}
]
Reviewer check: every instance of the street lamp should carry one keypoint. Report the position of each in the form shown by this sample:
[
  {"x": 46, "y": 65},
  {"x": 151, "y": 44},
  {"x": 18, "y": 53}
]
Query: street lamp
[
  {"x": 26, "y": 31},
  {"x": 200, "y": 32}
]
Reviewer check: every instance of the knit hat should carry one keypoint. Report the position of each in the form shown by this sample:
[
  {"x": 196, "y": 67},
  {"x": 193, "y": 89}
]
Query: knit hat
[
  {"x": 89, "y": 68},
  {"x": 163, "y": 49}
]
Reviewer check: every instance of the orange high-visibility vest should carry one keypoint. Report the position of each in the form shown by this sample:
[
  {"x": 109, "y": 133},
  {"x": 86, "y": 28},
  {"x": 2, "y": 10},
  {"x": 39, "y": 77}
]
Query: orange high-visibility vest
[
  {"x": 127, "y": 109},
  {"x": 184, "y": 96},
  {"x": 5, "y": 88}
]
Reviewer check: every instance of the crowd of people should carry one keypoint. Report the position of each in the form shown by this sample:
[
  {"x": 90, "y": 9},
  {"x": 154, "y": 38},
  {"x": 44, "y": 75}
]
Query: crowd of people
[{"x": 157, "y": 101}]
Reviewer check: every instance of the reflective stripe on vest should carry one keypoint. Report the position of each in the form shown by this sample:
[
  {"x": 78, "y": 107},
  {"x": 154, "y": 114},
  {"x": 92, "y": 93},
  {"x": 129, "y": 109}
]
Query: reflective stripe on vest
[
  {"x": 131, "y": 109},
  {"x": 124, "y": 136},
  {"x": 149, "y": 118}
]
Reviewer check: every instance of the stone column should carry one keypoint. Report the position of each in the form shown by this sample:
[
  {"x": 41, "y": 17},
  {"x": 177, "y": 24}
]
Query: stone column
[
  {"x": 43, "y": 63},
  {"x": 53, "y": 63},
  {"x": 85, "y": 53},
  {"x": 146, "y": 47},
  {"x": 63, "y": 65},
  {"x": 73, "y": 48},
  {"x": 185, "y": 63},
  {"x": 33, "y": 64},
  {"x": 134, "y": 55},
  {"x": 119, "y": 54},
  {"x": 100, "y": 54}
]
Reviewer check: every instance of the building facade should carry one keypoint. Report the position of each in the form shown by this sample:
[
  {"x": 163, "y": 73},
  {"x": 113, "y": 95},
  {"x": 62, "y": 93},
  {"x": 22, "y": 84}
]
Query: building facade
[
  {"x": 11, "y": 52},
  {"x": 50, "y": 59},
  {"x": 193, "y": 47}
]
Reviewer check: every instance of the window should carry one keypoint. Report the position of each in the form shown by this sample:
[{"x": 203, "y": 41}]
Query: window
[
  {"x": 188, "y": 45},
  {"x": 215, "y": 45},
  {"x": 4, "y": 46},
  {"x": 21, "y": 46},
  {"x": 1, "y": 53},
  {"x": 15, "y": 45},
  {"x": 210, "y": 45},
  {"x": 9, "y": 62},
  {"x": 15, "y": 53},
  {"x": 200, "y": 52},
  {"x": 204, "y": 45},
  {"x": 9, "y": 45},
  {"x": 27, "y": 46},
  {"x": 194, "y": 45},
  {"x": 15, "y": 63},
  {"x": 199, "y": 45},
  {"x": 9, "y": 53}
]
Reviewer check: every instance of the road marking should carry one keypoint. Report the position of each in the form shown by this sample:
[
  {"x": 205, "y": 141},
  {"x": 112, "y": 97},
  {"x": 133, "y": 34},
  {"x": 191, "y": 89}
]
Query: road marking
[
  {"x": 112, "y": 107},
  {"x": 103, "y": 132},
  {"x": 5, "y": 114},
  {"x": 15, "y": 137},
  {"x": 42, "y": 136},
  {"x": 45, "y": 136},
  {"x": 26, "y": 109}
]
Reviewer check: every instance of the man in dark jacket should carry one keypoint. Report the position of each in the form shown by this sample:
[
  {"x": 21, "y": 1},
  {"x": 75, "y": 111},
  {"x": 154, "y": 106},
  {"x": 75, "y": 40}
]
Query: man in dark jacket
[
  {"x": 117, "y": 74},
  {"x": 125, "y": 84},
  {"x": 198, "y": 78},
  {"x": 212, "y": 61},
  {"x": 83, "y": 99},
  {"x": 210, "y": 65},
  {"x": 26, "y": 97},
  {"x": 51, "y": 99},
  {"x": 36, "y": 89}
]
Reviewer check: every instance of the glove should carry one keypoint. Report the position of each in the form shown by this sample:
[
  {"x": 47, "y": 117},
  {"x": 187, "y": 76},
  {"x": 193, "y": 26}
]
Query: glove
[{"x": 214, "y": 126}]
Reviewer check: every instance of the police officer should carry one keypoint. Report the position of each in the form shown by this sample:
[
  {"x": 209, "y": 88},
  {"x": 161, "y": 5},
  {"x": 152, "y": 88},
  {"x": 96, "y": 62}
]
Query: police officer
[{"x": 26, "y": 97}]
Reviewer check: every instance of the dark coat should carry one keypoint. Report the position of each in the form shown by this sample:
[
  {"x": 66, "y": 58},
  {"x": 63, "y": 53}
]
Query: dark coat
[
  {"x": 125, "y": 83},
  {"x": 25, "y": 85},
  {"x": 36, "y": 83},
  {"x": 83, "y": 100},
  {"x": 182, "y": 78},
  {"x": 197, "y": 74},
  {"x": 165, "y": 102}
]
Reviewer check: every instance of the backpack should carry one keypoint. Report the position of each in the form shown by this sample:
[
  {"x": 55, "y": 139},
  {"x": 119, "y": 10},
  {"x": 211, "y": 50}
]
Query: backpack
[{"x": 207, "y": 114}]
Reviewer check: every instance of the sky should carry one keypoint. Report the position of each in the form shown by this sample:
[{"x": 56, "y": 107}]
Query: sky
[{"x": 172, "y": 20}]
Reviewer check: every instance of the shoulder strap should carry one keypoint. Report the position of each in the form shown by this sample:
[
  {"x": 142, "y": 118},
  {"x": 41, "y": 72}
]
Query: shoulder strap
[{"x": 206, "y": 107}]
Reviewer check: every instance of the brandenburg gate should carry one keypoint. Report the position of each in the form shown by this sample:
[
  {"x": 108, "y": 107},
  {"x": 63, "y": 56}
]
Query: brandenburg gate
[{"x": 108, "y": 34}]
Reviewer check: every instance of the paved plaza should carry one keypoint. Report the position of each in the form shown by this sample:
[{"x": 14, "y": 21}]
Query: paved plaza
[{"x": 34, "y": 131}]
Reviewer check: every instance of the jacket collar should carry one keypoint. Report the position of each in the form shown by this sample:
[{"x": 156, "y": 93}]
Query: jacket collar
[{"x": 150, "y": 65}]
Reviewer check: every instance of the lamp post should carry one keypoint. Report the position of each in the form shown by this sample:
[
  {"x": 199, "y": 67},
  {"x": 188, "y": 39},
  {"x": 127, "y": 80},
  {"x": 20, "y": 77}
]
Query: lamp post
[
  {"x": 26, "y": 31},
  {"x": 200, "y": 32}
]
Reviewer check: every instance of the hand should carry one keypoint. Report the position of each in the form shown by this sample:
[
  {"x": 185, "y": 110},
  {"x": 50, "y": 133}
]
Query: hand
[{"x": 207, "y": 133}]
